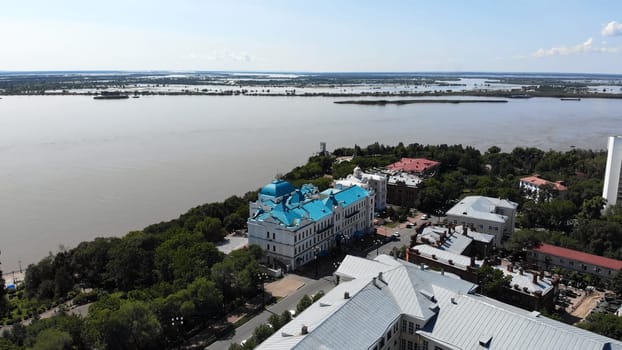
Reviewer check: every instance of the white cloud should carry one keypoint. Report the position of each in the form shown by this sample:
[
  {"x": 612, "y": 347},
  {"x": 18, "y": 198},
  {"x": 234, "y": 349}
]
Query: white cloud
[
  {"x": 586, "y": 47},
  {"x": 612, "y": 28}
]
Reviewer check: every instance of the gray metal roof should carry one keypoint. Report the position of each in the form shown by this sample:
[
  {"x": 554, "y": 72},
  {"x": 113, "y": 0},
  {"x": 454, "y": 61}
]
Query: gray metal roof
[
  {"x": 483, "y": 208},
  {"x": 454, "y": 316}
]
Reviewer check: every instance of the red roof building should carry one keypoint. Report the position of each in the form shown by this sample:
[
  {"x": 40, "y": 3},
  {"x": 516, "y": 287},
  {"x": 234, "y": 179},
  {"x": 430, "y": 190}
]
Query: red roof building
[
  {"x": 420, "y": 166},
  {"x": 570, "y": 259},
  {"x": 537, "y": 181}
]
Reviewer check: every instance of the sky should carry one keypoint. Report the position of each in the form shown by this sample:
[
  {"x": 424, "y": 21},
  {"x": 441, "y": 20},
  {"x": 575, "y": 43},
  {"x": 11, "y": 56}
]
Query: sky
[{"x": 313, "y": 36}]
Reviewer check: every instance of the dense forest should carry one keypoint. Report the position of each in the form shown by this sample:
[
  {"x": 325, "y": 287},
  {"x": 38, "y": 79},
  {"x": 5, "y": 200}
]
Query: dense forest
[{"x": 139, "y": 282}]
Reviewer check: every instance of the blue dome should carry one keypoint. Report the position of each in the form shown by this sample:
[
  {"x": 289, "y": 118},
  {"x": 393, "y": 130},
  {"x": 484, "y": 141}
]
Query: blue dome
[{"x": 277, "y": 188}]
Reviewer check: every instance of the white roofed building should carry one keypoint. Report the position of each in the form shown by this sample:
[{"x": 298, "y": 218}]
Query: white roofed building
[
  {"x": 392, "y": 304},
  {"x": 485, "y": 214},
  {"x": 375, "y": 182}
]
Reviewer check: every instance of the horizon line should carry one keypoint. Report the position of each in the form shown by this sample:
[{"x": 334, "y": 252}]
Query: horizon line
[{"x": 61, "y": 71}]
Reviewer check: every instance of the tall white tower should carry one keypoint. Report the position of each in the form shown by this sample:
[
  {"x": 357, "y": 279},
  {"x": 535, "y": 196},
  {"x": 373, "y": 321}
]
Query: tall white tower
[{"x": 612, "y": 190}]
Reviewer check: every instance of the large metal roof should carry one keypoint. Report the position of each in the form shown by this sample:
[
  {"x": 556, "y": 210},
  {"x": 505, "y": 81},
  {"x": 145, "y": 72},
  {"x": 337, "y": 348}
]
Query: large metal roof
[{"x": 452, "y": 314}]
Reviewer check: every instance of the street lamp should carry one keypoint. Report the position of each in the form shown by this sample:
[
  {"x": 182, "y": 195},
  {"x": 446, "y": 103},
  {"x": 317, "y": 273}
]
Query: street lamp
[
  {"x": 336, "y": 266},
  {"x": 262, "y": 277},
  {"x": 317, "y": 260},
  {"x": 179, "y": 321},
  {"x": 378, "y": 244}
]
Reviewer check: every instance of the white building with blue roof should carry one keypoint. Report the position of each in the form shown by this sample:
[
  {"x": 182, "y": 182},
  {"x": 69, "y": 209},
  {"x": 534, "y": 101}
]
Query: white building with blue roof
[{"x": 293, "y": 226}]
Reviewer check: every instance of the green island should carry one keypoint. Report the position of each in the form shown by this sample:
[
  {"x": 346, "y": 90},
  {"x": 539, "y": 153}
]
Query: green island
[{"x": 136, "y": 284}]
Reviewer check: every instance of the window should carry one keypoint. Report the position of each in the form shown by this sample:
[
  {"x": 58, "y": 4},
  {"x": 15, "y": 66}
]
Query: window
[
  {"x": 274, "y": 248},
  {"x": 267, "y": 235},
  {"x": 417, "y": 327},
  {"x": 403, "y": 347},
  {"x": 411, "y": 328},
  {"x": 273, "y": 235},
  {"x": 389, "y": 335},
  {"x": 395, "y": 327},
  {"x": 425, "y": 345},
  {"x": 410, "y": 345},
  {"x": 438, "y": 348},
  {"x": 267, "y": 247},
  {"x": 571, "y": 263},
  {"x": 404, "y": 323},
  {"x": 381, "y": 343}
]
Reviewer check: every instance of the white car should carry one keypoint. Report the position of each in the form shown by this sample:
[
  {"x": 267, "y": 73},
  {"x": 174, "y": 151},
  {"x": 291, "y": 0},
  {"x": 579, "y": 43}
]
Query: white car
[
  {"x": 396, "y": 234},
  {"x": 425, "y": 217},
  {"x": 292, "y": 312}
]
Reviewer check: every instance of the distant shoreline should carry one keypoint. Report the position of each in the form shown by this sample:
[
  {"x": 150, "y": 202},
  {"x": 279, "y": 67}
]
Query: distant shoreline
[
  {"x": 491, "y": 94},
  {"x": 405, "y": 102}
]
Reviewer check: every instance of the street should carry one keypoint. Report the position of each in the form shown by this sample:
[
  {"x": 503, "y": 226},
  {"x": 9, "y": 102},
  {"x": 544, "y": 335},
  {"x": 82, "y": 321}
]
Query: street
[{"x": 289, "y": 302}]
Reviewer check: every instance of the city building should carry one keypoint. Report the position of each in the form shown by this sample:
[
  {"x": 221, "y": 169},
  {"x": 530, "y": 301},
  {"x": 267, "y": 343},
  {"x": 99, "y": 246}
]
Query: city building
[
  {"x": 402, "y": 189},
  {"x": 612, "y": 188},
  {"x": 296, "y": 226},
  {"x": 484, "y": 214},
  {"x": 460, "y": 240},
  {"x": 536, "y": 188},
  {"x": 386, "y": 303},
  {"x": 417, "y": 166},
  {"x": 375, "y": 182},
  {"x": 439, "y": 259},
  {"x": 548, "y": 256},
  {"x": 528, "y": 290}
]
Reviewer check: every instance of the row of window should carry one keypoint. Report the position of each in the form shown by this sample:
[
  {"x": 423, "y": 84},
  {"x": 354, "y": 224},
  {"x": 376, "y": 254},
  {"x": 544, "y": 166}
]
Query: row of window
[{"x": 411, "y": 326}]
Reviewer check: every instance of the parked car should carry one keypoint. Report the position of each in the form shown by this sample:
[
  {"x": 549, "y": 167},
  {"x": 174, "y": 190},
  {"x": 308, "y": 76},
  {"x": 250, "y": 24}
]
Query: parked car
[
  {"x": 396, "y": 235},
  {"x": 425, "y": 217}
]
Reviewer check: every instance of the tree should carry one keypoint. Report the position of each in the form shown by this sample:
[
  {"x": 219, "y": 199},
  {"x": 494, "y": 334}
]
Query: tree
[
  {"x": 608, "y": 325},
  {"x": 616, "y": 283},
  {"x": 132, "y": 326},
  {"x": 53, "y": 339},
  {"x": 262, "y": 332},
  {"x": 304, "y": 303},
  {"x": 211, "y": 228},
  {"x": 4, "y": 303},
  {"x": 131, "y": 262},
  {"x": 492, "y": 281}
]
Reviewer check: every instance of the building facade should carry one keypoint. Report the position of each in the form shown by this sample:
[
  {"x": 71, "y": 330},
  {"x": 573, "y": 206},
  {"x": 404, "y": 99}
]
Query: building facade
[
  {"x": 390, "y": 304},
  {"x": 402, "y": 189},
  {"x": 485, "y": 214},
  {"x": 548, "y": 256},
  {"x": 296, "y": 226},
  {"x": 536, "y": 188},
  {"x": 375, "y": 182},
  {"x": 612, "y": 188}
]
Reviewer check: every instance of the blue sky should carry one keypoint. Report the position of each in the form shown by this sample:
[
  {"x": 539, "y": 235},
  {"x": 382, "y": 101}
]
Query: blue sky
[{"x": 496, "y": 36}]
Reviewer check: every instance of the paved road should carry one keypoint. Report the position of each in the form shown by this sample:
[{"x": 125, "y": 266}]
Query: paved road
[
  {"x": 289, "y": 302},
  {"x": 405, "y": 234}
]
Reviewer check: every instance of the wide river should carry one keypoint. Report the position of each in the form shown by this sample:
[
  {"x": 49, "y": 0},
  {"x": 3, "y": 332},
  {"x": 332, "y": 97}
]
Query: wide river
[{"x": 73, "y": 168}]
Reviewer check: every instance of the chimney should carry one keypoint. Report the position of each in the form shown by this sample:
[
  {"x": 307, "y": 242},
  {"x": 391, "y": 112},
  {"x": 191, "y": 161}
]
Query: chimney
[
  {"x": 541, "y": 275},
  {"x": 442, "y": 272},
  {"x": 472, "y": 261},
  {"x": 464, "y": 230},
  {"x": 346, "y": 295},
  {"x": 304, "y": 330},
  {"x": 380, "y": 278},
  {"x": 373, "y": 280},
  {"x": 534, "y": 278},
  {"x": 520, "y": 271}
]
